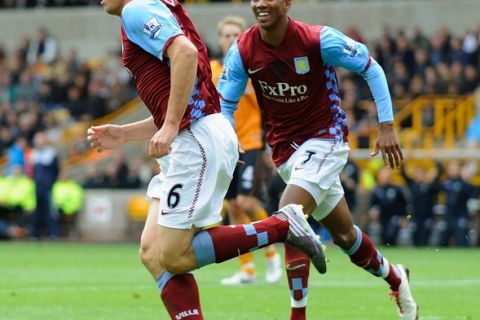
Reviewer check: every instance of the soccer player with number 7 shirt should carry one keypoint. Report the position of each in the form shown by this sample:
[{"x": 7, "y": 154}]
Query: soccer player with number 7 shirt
[
  {"x": 197, "y": 150},
  {"x": 292, "y": 68}
]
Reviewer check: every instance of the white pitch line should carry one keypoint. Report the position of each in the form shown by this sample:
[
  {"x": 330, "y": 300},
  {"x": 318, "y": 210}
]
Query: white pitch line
[{"x": 316, "y": 284}]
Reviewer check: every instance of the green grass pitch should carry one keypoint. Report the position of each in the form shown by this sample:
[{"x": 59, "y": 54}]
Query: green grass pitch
[{"x": 64, "y": 281}]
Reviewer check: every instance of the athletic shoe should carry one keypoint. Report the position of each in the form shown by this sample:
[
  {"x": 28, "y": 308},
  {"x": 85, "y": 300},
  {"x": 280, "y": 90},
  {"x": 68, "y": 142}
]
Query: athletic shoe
[
  {"x": 239, "y": 278},
  {"x": 274, "y": 269},
  {"x": 407, "y": 308},
  {"x": 303, "y": 238}
]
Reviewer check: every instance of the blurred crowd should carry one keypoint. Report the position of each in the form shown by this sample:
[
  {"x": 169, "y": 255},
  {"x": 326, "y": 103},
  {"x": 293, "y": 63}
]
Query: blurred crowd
[
  {"x": 38, "y": 200},
  {"x": 423, "y": 204},
  {"x": 429, "y": 206},
  {"x": 43, "y": 89},
  {"x": 416, "y": 64},
  {"x": 119, "y": 173}
]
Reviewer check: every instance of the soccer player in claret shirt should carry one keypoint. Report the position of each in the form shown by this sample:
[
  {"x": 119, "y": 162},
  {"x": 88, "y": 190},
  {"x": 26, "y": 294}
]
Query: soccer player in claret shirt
[
  {"x": 292, "y": 67},
  {"x": 197, "y": 151}
]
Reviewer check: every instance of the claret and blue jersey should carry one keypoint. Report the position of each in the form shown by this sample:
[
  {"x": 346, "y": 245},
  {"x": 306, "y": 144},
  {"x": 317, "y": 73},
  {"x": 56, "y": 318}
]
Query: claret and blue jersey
[
  {"x": 296, "y": 83},
  {"x": 148, "y": 28}
]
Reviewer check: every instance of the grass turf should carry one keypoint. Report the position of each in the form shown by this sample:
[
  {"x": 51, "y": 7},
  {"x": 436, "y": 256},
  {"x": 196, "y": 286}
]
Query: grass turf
[{"x": 64, "y": 281}]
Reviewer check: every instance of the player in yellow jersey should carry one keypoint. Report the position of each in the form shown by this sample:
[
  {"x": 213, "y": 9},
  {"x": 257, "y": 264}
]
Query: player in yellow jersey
[{"x": 243, "y": 206}]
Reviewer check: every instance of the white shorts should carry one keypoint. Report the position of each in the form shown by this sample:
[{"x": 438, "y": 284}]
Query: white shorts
[
  {"x": 195, "y": 176},
  {"x": 315, "y": 166}
]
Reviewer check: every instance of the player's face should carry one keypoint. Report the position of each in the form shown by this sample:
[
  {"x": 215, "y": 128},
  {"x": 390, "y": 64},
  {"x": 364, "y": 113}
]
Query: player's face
[
  {"x": 269, "y": 13},
  {"x": 113, "y": 7},
  {"x": 228, "y": 33}
]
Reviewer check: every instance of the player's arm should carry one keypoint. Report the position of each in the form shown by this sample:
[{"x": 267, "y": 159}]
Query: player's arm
[
  {"x": 183, "y": 70},
  {"x": 140, "y": 130},
  {"x": 232, "y": 83},
  {"x": 109, "y": 136},
  {"x": 183, "y": 57},
  {"x": 339, "y": 50},
  {"x": 155, "y": 29}
]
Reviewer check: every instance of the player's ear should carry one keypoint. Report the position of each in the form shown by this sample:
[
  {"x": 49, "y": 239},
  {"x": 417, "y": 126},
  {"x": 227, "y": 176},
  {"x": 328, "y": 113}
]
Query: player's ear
[{"x": 288, "y": 4}]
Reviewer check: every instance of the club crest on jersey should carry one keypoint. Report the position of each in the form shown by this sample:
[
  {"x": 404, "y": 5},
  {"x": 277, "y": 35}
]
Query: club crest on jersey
[
  {"x": 351, "y": 48},
  {"x": 301, "y": 65},
  {"x": 224, "y": 75},
  {"x": 152, "y": 27}
]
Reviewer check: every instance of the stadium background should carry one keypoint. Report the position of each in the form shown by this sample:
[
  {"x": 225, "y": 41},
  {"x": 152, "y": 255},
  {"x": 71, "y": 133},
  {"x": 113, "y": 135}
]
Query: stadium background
[{"x": 437, "y": 105}]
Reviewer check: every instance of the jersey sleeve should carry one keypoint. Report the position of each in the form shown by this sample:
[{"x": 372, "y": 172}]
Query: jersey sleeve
[
  {"x": 152, "y": 26},
  {"x": 339, "y": 50},
  {"x": 232, "y": 82}
]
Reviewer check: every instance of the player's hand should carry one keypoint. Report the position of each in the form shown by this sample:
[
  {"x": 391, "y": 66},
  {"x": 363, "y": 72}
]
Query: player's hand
[
  {"x": 105, "y": 137},
  {"x": 387, "y": 145},
  {"x": 240, "y": 152},
  {"x": 160, "y": 144}
]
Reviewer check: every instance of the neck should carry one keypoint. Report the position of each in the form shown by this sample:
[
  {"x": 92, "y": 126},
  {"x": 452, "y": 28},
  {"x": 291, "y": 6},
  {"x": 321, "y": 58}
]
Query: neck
[
  {"x": 119, "y": 12},
  {"x": 275, "y": 34}
]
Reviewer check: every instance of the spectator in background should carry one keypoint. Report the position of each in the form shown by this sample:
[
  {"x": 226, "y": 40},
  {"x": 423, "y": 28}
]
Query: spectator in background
[
  {"x": 119, "y": 94},
  {"x": 6, "y": 138},
  {"x": 117, "y": 171},
  {"x": 76, "y": 105},
  {"x": 421, "y": 62},
  {"x": 471, "y": 79},
  {"x": 26, "y": 88},
  {"x": 456, "y": 53},
  {"x": 424, "y": 189},
  {"x": 45, "y": 172},
  {"x": 10, "y": 231},
  {"x": 437, "y": 54},
  {"x": 43, "y": 49},
  {"x": 16, "y": 154},
  {"x": 6, "y": 90},
  {"x": 132, "y": 179},
  {"x": 17, "y": 200},
  {"x": 67, "y": 197},
  {"x": 457, "y": 193},
  {"x": 96, "y": 102},
  {"x": 419, "y": 40},
  {"x": 94, "y": 179},
  {"x": 21, "y": 192},
  {"x": 470, "y": 47},
  {"x": 385, "y": 49},
  {"x": 405, "y": 53},
  {"x": 389, "y": 204}
]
